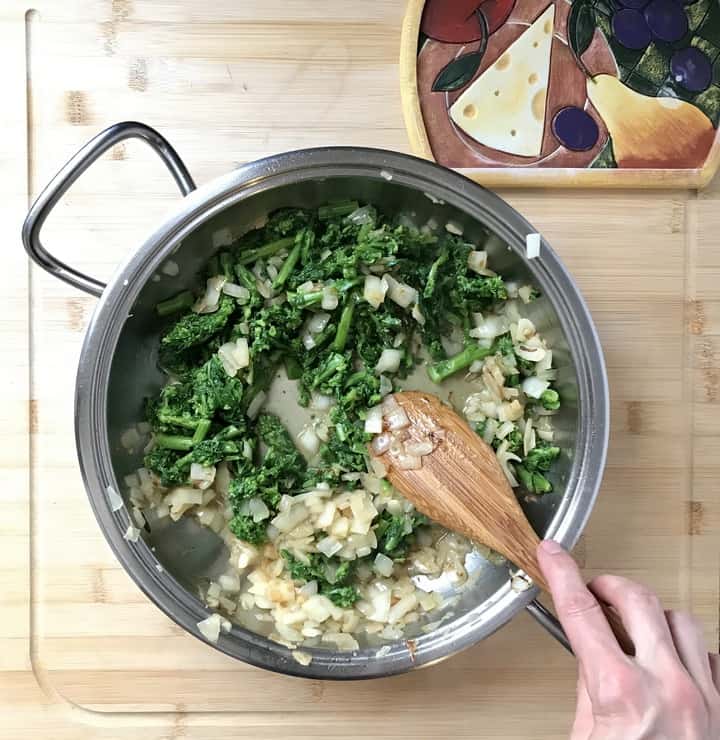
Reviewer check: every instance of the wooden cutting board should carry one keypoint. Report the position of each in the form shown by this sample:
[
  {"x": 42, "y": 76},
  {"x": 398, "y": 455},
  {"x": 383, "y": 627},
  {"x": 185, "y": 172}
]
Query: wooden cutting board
[{"x": 82, "y": 652}]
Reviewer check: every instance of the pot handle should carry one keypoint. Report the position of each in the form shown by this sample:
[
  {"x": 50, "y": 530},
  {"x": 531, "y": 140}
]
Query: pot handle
[
  {"x": 60, "y": 184},
  {"x": 550, "y": 622}
]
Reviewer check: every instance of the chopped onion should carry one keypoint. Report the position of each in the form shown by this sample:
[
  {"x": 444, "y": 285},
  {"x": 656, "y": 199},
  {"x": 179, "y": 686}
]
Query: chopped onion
[
  {"x": 318, "y": 322},
  {"x": 222, "y": 238},
  {"x": 534, "y": 387},
  {"x": 400, "y": 293},
  {"x": 256, "y": 404},
  {"x": 264, "y": 288},
  {"x": 419, "y": 448},
  {"x": 234, "y": 356},
  {"x": 453, "y": 227},
  {"x": 329, "y": 298},
  {"x": 491, "y": 327},
  {"x": 374, "y": 420},
  {"x": 309, "y": 589},
  {"x": 532, "y": 246},
  {"x": 532, "y": 354},
  {"x": 130, "y": 439},
  {"x": 170, "y": 268},
  {"x": 380, "y": 444},
  {"x": 329, "y": 546},
  {"x": 491, "y": 427},
  {"x": 132, "y": 534},
  {"x": 394, "y": 415},
  {"x": 237, "y": 291},
  {"x": 386, "y": 175},
  {"x": 385, "y": 386},
  {"x": 308, "y": 341},
  {"x": 309, "y": 442},
  {"x": 362, "y": 215},
  {"x": 202, "y": 476},
  {"x": 417, "y": 314},
  {"x": 528, "y": 438},
  {"x": 208, "y": 303},
  {"x": 302, "y": 657},
  {"x": 505, "y": 429},
  {"x": 524, "y": 330},
  {"x": 389, "y": 361},
  {"x": 258, "y": 509},
  {"x": 477, "y": 261},
  {"x": 519, "y": 582},
  {"x": 405, "y": 605},
  {"x": 321, "y": 402},
  {"x": 374, "y": 290},
  {"x": 383, "y": 565},
  {"x": 525, "y": 292},
  {"x": 115, "y": 499},
  {"x": 408, "y": 462},
  {"x": 210, "y": 627},
  {"x": 511, "y": 411}
]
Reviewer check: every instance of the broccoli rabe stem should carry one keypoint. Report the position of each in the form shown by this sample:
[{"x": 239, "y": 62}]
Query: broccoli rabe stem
[
  {"x": 177, "y": 303},
  {"x": 439, "y": 371},
  {"x": 288, "y": 266},
  {"x": 336, "y": 210},
  {"x": 226, "y": 265},
  {"x": 344, "y": 324},
  {"x": 174, "y": 442},
  {"x": 313, "y": 297},
  {"x": 267, "y": 250},
  {"x": 246, "y": 278},
  {"x": 201, "y": 431},
  {"x": 293, "y": 369}
]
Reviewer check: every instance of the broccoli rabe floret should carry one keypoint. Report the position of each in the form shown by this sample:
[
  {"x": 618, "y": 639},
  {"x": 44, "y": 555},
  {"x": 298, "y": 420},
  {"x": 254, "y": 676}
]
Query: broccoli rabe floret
[
  {"x": 214, "y": 389},
  {"x": 163, "y": 463},
  {"x": 550, "y": 400},
  {"x": 197, "y": 328},
  {"x": 514, "y": 441},
  {"x": 541, "y": 458},
  {"x": 274, "y": 327},
  {"x": 395, "y": 533},
  {"x": 245, "y": 528},
  {"x": 331, "y": 575},
  {"x": 342, "y": 596}
]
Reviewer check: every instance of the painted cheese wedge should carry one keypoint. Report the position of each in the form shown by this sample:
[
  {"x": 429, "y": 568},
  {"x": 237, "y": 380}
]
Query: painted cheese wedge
[{"x": 504, "y": 108}]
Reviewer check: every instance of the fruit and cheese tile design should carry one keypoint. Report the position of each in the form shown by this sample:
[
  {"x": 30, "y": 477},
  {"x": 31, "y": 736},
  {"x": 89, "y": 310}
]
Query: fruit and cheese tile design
[{"x": 570, "y": 83}]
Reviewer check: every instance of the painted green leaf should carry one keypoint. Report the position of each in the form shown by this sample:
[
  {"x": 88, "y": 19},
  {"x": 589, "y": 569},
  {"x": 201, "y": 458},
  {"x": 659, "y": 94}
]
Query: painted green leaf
[
  {"x": 458, "y": 72},
  {"x": 581, "y": 28},
  {"x": 461, "y": 70}
]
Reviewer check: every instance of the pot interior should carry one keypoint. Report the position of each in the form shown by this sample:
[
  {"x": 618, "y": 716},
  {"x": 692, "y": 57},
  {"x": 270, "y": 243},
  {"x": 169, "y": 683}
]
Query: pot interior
[{"x": 192, "y": 554}]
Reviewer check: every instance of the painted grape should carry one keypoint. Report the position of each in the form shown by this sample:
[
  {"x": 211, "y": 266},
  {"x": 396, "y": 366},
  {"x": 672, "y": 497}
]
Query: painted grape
[
  {"x": 691, "y": 68},
  {"x": 575, "y": 128},
  {"x": 631, "y": 29}
]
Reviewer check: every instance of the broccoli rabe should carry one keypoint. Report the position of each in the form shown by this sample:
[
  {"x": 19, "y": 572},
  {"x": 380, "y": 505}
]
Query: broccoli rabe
[
  {"x": 244, "y": 528},
  {"x": 395, "y": 533},
  {"x": 306, "y": 270},
  {"x": 331, "y": 574},
  {"x": 550, "y": 400},
  {"x": 197, "y": 328}
]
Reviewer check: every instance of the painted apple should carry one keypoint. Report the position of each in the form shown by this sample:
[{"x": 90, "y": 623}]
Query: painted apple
[{"x": 457, "y": 22}]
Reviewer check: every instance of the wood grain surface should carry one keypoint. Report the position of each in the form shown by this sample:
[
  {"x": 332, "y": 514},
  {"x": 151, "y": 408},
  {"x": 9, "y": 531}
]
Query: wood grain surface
[{"x": 83, "y": 654}]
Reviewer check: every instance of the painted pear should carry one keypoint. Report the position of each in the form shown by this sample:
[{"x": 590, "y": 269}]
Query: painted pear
[{"x": 650, "y": 132}]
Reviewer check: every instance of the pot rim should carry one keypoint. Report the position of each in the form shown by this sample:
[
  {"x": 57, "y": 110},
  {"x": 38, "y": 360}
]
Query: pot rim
[{"x": 226, "y": 191}]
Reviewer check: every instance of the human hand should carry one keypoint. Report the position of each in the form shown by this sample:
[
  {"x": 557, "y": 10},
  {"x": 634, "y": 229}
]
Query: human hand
[{"x": 670, "y": 690}]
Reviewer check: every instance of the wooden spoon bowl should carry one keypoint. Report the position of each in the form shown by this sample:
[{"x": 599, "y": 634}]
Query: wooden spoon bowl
[{"x": 462, "y": 486}]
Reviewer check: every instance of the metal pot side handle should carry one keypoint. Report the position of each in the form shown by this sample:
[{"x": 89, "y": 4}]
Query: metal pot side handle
[
  {"x": 60, "y": 184},
  {"x": 550, "y": 622}
]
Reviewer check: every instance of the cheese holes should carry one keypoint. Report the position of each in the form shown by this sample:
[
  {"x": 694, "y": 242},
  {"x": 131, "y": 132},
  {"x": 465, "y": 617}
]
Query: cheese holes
[
  {"x": 470, "y": 111},
  {"x": 503, "y": 62},
  {"x": 538, "y": 104},
  {"x": 532, "y": 79}
]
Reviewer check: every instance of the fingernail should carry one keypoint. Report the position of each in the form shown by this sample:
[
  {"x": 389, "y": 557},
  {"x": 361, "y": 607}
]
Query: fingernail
[{"x": 551, "y": 547}]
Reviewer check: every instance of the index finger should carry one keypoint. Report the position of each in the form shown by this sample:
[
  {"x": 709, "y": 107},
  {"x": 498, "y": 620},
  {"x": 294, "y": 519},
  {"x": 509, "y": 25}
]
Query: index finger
[{"x": 578, "y": 610}]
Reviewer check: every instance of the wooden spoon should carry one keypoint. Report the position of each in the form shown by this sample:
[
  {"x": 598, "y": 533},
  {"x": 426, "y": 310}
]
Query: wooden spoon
[{"x": 462, "y": 486}]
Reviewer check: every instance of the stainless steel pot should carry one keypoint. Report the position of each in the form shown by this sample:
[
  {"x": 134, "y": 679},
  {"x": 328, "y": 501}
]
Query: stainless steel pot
[{"x": 118, "y": 369}]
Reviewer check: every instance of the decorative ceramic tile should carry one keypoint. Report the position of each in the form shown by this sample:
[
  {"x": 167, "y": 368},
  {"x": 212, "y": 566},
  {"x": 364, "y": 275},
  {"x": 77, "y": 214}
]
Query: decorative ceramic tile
[{"x": 622, "y": 85}]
